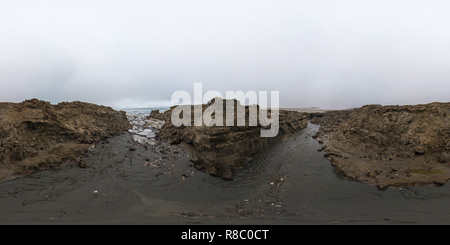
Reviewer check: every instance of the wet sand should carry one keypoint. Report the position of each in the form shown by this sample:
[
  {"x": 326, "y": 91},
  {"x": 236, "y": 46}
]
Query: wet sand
[{"x": 287, "y": 183}]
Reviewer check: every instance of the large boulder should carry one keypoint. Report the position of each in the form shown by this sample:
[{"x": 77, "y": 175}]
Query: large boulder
[
  {"x": 36, "y": 135},
  {"x": 218, "y": 150}
]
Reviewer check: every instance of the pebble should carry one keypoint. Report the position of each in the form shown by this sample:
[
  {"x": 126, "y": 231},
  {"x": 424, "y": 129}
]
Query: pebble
[
  {"x": 82, "y": 163},
  {"x": 147, "y": 133}
]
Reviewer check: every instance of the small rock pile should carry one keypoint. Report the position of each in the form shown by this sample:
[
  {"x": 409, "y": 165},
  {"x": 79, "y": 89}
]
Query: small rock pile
[{"x": 143, "y": 129}]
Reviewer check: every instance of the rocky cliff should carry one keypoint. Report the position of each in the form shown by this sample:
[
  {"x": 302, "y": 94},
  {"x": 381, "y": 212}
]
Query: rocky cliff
[
  {"x": 389, "y": 145},
  {"x": 35, "y": 135},
  {"x": 218, "y": 150}
]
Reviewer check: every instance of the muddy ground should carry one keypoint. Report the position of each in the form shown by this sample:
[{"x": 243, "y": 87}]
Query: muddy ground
[{"x": 286, "y": 183}]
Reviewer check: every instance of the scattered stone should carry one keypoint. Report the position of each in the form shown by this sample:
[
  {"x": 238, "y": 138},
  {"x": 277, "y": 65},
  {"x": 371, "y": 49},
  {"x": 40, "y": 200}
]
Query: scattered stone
[
  {"x": 147, "y": 133},
  {"x": 143, "y": 128},
  {"x": 82, "y": 163}
]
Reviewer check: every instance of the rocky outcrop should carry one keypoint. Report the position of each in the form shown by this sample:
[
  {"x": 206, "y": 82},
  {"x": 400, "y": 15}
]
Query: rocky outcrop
[
  {"x": 36, "y": 135},
  {"x": 160, "y": 115},
  {"x": 218, "y": 150},
  {"x": 389, "y": 145}
]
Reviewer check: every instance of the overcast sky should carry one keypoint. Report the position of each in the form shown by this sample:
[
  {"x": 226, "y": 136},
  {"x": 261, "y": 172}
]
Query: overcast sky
[{"x": 330, "y": 53}]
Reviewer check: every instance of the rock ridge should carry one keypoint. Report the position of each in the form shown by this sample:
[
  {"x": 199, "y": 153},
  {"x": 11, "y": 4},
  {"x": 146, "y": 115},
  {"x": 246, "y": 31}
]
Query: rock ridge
[
  {"x": 218, "y": 150},
  {"x": 389, "y": 145},
  {"x": 36, "y": 135}
]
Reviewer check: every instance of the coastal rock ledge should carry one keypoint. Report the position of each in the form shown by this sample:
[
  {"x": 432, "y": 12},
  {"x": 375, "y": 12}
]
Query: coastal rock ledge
[
  {"x": 36, "y": 135},
  {"x": 218, "y": 150},
  {"x": 389, "y": 145}
]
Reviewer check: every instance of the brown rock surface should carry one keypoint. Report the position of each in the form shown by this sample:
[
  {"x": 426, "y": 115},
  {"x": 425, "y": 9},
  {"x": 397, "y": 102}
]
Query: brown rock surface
[
  {"x": 389, "y": 145},
  {"x": 218, "y": 150},
  {"x": 35, "y": 135}
]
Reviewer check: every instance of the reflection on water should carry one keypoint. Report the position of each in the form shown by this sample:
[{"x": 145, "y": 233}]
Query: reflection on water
[{"x": 287, "y": 183}]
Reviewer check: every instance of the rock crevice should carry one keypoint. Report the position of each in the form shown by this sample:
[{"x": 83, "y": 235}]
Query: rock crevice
[{"x": 218, "y": 150}]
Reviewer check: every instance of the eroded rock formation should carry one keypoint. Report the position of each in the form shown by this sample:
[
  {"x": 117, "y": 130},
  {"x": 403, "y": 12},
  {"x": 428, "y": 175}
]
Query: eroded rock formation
[
  {"x": 389, "y": 145},
  {"x": 35, "y": 135},
  {"x": 218, "y": 150}
]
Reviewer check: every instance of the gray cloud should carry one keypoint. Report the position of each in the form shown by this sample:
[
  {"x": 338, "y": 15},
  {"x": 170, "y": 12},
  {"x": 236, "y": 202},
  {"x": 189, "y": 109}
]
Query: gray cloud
[{"x": 332, "y": 54}]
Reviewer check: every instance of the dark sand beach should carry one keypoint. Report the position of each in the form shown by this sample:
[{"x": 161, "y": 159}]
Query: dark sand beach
[
  {"x": 122, "y": 181},
  {"x": 287, "y": 183}
]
